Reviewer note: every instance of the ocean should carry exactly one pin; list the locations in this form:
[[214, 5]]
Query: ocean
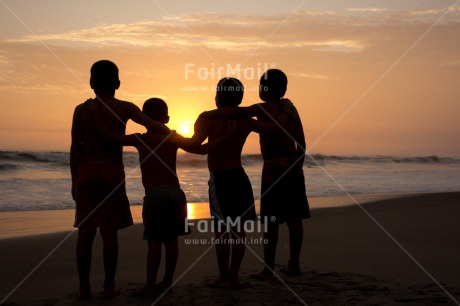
[[41, 180]]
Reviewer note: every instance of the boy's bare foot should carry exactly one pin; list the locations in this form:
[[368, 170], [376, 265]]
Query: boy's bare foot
[[263, 275], [164, 287], [220, 283], [293, 268], [146, 291], [291, 271], [235, 283], [84, 294], [110, 293]]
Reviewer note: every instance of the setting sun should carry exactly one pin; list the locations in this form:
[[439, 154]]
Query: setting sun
[[185, 128]]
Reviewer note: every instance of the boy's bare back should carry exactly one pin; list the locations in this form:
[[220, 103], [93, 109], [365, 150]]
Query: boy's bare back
[[94, 147], [228, 154], [158, 161]]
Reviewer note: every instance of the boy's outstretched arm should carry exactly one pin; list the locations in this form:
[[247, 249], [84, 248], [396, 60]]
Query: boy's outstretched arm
[[253, 111], [193, 146], [195, 143], [187, 144], [232, 112], [139, 117], [276, 124], [190, 145]]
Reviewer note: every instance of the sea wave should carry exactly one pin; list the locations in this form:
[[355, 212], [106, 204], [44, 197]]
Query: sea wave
[[39, 157], [10, 167], [432, 159], [14, 160]]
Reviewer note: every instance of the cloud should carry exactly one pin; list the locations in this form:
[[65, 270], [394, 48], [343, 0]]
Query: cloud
[[44, 88], [326, 38], [321, 31], [455, 62], [31, 68], [432, 12], [313, 76], [3, 59], [234, 33], [367, 9], [209, 32], [338, 46]]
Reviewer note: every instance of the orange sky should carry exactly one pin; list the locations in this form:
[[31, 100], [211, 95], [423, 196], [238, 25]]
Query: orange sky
[[366, 80]]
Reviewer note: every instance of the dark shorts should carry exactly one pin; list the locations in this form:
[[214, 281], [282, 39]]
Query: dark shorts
[[283, 192], [101, 199], [164, 213], [230, 195]]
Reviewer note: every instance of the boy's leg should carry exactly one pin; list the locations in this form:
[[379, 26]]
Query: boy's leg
[[238, 249], [223, 257], [153, 263], [110, 255], [270, 248], [84, 254], [171, 254], [271, 236], [295, 243]]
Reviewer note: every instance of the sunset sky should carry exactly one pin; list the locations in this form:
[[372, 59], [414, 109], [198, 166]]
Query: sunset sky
[[368, 77]]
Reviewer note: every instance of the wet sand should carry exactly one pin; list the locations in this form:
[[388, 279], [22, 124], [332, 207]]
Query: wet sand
[[398, 251]]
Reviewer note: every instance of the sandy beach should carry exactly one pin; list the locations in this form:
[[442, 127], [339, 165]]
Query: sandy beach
[[396, 251]]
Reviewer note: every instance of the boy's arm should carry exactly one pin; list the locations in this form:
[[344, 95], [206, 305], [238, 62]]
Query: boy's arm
[[192, 146], [276, 123], [75, 148], [104, 131], [188, 144], [300, 140], [255, 110], [232, 112], [139, 117]]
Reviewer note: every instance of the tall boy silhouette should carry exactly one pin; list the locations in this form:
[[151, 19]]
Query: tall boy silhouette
[[98, 177]]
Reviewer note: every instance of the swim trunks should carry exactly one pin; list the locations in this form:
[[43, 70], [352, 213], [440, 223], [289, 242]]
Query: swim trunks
[[230, 195], [101, 199], [164, 213], [283, 193]]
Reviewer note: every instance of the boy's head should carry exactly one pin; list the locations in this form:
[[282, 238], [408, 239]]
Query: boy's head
[[156, 109], [273, 85], [229, 92], [104, 78]]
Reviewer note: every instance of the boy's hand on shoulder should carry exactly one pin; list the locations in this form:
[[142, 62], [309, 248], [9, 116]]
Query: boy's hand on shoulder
[[204, 115], [92, 105], [288, 106]]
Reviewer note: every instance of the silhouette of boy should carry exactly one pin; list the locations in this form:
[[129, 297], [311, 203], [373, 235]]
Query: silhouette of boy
[[98, 178], [230, 191]]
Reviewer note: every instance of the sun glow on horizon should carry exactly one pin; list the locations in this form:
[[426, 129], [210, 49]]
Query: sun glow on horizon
[[183, 127]]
